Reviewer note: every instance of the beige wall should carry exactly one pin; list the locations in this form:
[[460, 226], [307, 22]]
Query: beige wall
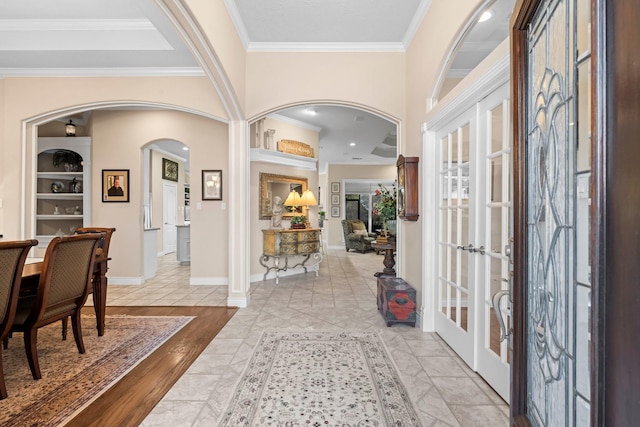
[[374, 80], [338, 173], [32, 99], [114, 149]]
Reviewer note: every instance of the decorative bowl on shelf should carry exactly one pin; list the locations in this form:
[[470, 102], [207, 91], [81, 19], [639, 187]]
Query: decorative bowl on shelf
[[57, 187], [70, 210]]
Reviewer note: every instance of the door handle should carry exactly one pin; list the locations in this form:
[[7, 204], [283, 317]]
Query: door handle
[[469, 247], [495, 299], [481, 249]]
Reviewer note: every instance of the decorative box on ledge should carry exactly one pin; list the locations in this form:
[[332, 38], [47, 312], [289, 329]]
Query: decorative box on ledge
[[396, 301]]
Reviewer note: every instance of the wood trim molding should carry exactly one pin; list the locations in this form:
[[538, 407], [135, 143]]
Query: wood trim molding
[[523, 13]]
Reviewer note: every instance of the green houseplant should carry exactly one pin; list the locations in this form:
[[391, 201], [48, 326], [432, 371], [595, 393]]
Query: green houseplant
[[385, 207], [298, 221]]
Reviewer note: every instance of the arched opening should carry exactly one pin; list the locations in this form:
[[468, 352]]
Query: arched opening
[[486, 29], [353, 142]]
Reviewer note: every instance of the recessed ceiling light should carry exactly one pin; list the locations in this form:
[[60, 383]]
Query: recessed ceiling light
[[486, 15], [311, 111], [352, 144], [185, 148]]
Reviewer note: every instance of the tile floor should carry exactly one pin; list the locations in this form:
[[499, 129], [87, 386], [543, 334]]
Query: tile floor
[[444, 390]]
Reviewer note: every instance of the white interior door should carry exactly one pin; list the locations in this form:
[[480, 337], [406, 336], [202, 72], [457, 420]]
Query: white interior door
[[454, 319], [495, 238], [169, 217], [474, 227]]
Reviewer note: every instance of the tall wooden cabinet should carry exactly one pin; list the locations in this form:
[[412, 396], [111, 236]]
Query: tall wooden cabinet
[[62, 192]]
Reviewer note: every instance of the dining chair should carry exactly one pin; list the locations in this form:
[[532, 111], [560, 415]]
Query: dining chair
[[12, 257], [99, 292], [62, 291], [103, 248]]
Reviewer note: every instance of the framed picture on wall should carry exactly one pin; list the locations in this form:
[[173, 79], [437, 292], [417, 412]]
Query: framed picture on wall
[[335, 211], [335, 187], [335, 199], [115, 185], [212, 185], [169, 170]]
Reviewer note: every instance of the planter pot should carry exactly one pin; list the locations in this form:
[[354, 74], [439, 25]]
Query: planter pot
[[392, 226]]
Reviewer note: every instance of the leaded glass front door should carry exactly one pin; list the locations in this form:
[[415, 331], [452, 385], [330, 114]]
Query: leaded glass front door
[[554, 172]]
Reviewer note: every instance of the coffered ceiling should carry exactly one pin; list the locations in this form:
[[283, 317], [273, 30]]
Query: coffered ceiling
[[124, 37]]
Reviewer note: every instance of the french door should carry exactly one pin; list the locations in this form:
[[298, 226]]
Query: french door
[[475, 213], [495, 215], [455, 311]]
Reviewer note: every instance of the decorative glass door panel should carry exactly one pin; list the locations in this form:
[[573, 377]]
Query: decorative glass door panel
[[557, 227]]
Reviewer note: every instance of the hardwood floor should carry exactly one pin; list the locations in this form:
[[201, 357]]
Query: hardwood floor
[[129, 401]]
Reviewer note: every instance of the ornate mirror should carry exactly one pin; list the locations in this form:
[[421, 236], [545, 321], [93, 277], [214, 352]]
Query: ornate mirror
[[278, 185]]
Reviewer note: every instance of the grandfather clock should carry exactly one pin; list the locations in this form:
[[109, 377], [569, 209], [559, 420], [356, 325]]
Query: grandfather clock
[[408, 187]]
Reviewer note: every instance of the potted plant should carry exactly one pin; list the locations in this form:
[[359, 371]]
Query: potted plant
[[69, 160], [298, 221]]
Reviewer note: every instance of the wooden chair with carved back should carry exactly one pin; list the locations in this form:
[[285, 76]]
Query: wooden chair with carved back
[[102, 255], [12, 258]]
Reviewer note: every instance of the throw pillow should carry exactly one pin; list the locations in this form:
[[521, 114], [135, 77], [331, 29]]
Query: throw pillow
[[358, 226], [361, 232]]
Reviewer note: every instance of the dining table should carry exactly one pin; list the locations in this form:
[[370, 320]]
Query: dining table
[[31, 277]]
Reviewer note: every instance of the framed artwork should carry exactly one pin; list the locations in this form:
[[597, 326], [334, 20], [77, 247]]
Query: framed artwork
[[212, 185], [335, 187], [335, 199], [115, 185], [169, 170], [335, 211]]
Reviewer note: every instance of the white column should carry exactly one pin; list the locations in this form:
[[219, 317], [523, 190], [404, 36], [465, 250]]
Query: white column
[[238, 205]]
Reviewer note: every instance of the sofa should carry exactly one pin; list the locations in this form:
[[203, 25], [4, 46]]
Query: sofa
[[356, 235]]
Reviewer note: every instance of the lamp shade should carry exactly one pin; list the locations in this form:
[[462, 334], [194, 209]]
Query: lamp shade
[[293, 199], [308, 198]]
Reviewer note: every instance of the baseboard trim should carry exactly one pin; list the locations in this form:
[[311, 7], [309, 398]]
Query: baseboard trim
[[209, 281], [238, 302]]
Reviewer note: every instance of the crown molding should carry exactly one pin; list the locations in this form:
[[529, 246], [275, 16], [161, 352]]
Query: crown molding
[[103, 72], [326, 47]]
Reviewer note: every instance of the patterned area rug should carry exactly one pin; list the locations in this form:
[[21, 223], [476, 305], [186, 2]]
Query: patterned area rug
[[70, 380], [320, 379]]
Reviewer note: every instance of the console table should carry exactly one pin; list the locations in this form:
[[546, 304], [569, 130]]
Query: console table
[[280, 243]]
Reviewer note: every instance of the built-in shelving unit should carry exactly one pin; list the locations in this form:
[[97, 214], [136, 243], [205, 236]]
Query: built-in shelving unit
[[62, 194]]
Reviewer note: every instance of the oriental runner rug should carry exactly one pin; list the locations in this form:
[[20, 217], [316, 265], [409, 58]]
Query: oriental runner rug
[[320, 378], [70, 381]]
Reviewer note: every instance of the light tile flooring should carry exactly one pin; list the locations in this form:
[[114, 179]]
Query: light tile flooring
[[444, 390]]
